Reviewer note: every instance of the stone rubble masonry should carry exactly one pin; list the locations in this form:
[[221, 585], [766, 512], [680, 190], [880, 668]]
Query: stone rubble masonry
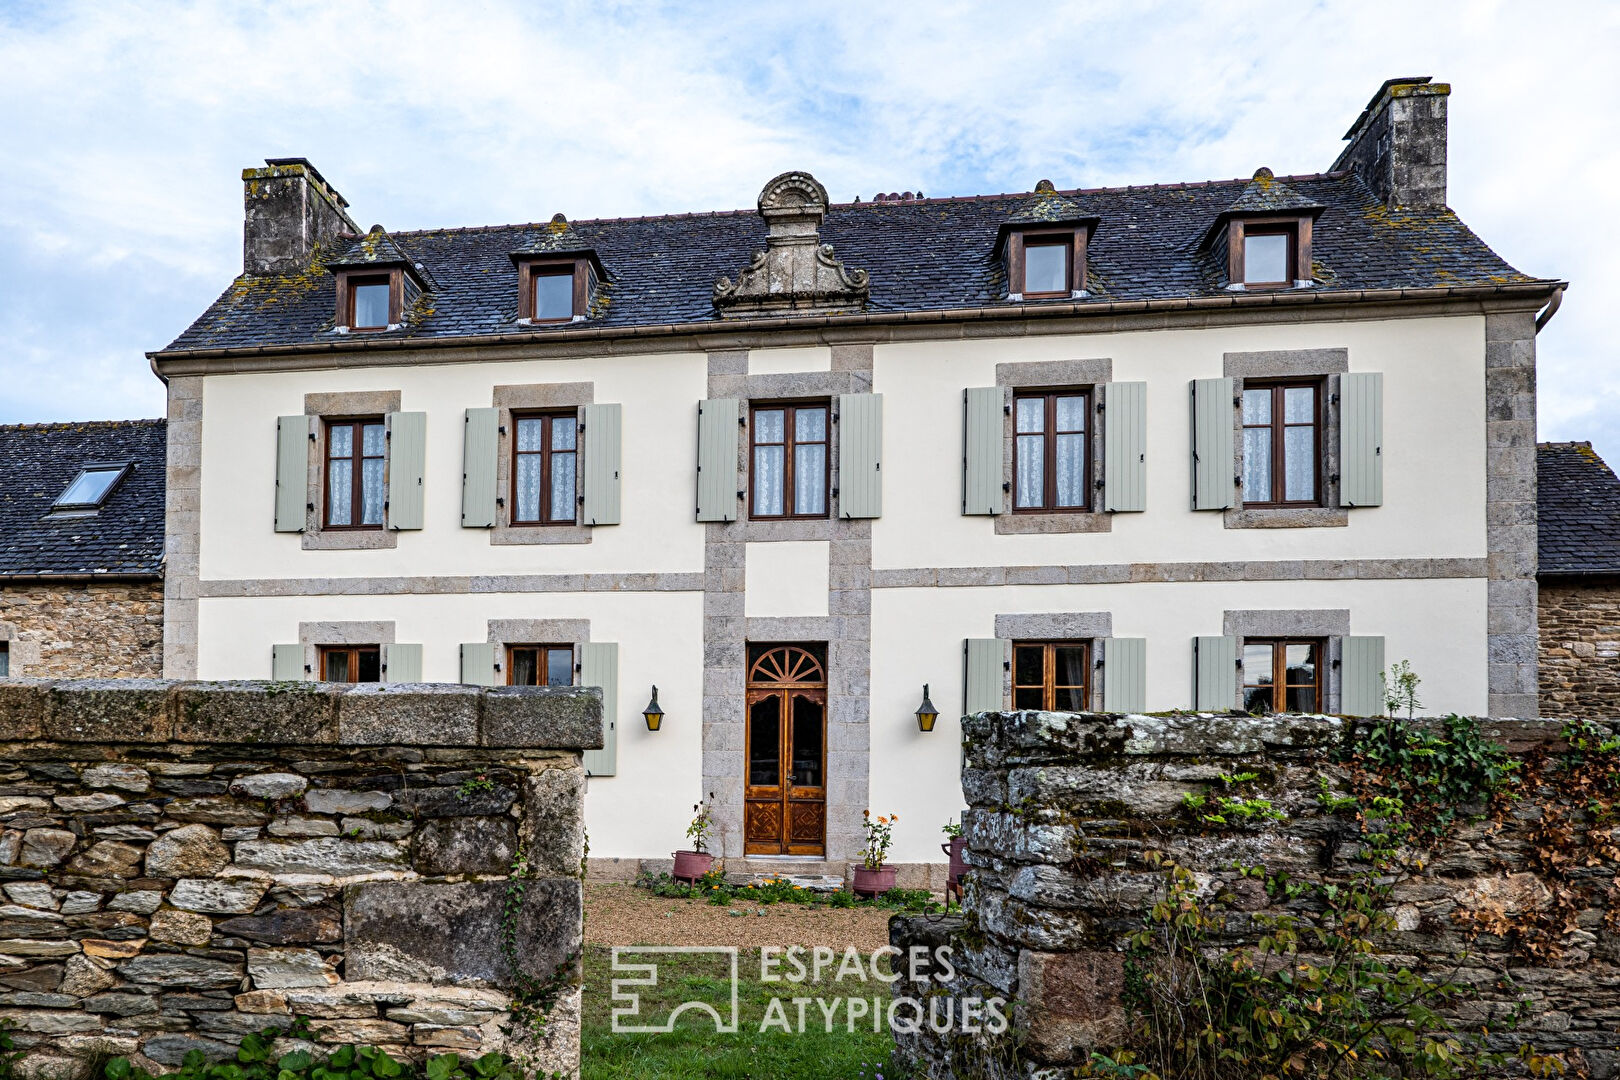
[[1580, 649], [185, 863], [1064, 810], [106, 630]]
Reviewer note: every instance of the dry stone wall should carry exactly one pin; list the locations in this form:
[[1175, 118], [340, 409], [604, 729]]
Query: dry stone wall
[[186, 863], [1067, 812], [103, 630], [1580, 649]]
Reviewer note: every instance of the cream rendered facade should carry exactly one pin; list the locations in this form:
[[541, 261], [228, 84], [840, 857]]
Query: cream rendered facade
[[1413, 570]]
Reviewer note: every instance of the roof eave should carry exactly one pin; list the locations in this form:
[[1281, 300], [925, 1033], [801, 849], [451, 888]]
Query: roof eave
[[1081, 309], [79, 578]]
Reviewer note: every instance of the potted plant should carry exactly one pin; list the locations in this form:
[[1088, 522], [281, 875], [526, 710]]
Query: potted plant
[[954, 847], [693, 864], [874, 877]]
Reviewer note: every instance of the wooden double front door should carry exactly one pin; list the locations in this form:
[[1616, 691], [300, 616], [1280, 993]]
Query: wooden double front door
[[785, 790]]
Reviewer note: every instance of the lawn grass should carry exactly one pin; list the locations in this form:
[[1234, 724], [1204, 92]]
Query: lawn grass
[[695, 1051]]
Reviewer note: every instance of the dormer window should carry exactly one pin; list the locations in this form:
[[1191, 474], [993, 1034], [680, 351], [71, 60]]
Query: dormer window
[[553, 295], [368, 301], [1046, 265], [1270, 255], [371, 304], [555, 290], [91, 487], [1266, 236]]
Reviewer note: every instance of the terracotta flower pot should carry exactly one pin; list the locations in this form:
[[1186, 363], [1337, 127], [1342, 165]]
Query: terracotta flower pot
[[691, 865], [873, 882]]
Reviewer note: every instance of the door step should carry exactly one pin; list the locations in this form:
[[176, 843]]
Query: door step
[[818, 883]]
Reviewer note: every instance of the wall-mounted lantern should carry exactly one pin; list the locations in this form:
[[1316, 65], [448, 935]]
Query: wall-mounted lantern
[[926, 712], [654, 714]]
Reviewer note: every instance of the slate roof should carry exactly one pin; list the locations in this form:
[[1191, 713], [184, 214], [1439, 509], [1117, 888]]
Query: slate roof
[[124, 537], [1578, 507], [923, 255]]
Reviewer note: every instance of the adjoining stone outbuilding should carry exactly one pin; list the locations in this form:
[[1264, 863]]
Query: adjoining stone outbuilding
[[81, 549], [1579, 538]]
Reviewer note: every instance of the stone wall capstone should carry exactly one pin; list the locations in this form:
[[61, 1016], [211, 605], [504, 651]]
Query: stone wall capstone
[[1069, 812], [187, 863]]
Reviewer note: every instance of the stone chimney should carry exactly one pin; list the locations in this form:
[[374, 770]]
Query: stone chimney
[[289, 208], [1398, 144]]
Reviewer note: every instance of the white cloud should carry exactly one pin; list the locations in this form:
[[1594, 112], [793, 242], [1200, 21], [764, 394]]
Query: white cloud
[[128, 124]]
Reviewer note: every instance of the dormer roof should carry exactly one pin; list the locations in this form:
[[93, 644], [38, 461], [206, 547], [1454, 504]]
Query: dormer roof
[[1265, 196], [555, 239], [380, 250]]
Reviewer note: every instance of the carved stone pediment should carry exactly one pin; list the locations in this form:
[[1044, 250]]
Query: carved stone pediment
[[796, 273]]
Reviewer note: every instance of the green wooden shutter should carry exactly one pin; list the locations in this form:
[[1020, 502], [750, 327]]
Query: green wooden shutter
[[402, 663], [1125, 446], [599, 666], [478, 663], [1361, 670], [982, 432], [985, 663], [407, 461], [717, 459], [600, 489], [1213, 460], [480, 447], [1361, 439], [292, 473], [287, 661], [860, 455], [1215, 662], [1124, 673]]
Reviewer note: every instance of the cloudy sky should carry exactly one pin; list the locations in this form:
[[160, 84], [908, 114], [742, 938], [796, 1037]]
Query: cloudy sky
[[126, 127]]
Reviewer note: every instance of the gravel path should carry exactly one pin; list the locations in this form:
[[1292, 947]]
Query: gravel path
[[618, 914]]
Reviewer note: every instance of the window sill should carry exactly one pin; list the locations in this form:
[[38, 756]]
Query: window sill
[[1036, 524], [1038, 298], [518, 535], [1281, 286], [1288, 517], [349, 539]]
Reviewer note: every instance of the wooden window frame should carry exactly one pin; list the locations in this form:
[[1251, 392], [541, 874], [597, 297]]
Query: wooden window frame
[[534, 268], [1049, 686], [1019, 240], [348, 281], [357, 478], [1298, 229], [1049, 451], [545, 520], [1279, 428], [789, 443], [1279, 670], [542, 652], [324, 652]]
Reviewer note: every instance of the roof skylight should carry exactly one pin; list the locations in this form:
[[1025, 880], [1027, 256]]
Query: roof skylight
[[91, 487]]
